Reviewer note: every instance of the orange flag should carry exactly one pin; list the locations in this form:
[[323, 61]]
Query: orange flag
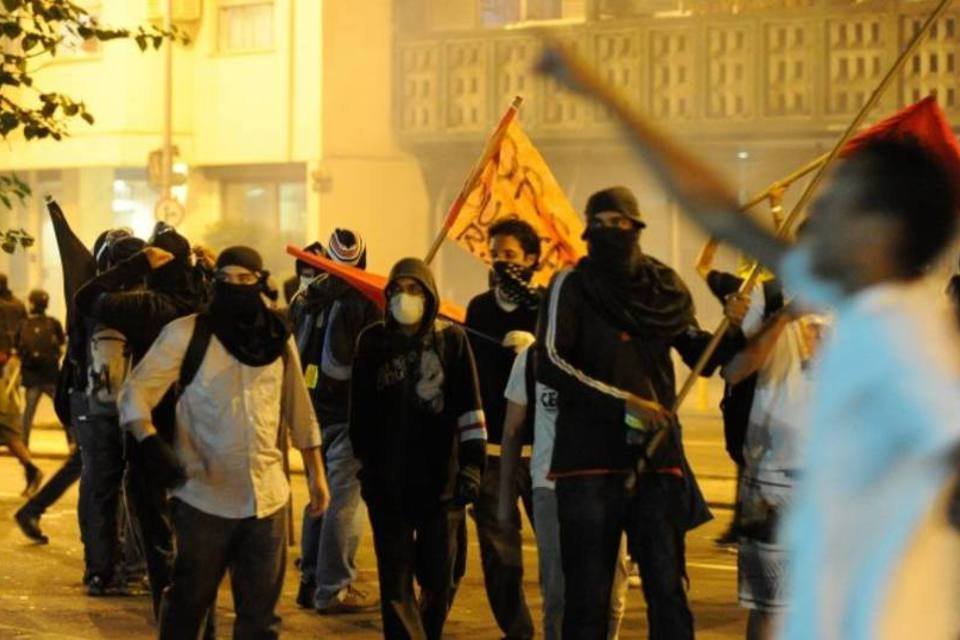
[[515, 182], [371, 285]]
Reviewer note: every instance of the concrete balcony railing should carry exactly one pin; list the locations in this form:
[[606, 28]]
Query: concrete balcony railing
[[784, 69]]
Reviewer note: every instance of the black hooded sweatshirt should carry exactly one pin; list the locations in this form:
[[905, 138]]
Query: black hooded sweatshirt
[[415, 411]]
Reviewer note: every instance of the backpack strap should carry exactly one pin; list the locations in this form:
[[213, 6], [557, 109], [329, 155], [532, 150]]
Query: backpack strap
[[195, 353]]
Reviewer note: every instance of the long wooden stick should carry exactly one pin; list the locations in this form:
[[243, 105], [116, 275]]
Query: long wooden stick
[[493, 143], [801, 204]]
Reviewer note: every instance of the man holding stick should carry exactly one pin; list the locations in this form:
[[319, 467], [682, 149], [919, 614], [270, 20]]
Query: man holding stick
[[604, 342]]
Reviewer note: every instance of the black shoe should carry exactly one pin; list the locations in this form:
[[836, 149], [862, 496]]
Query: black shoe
[[305, 594], [30, 525], [98, 587], [34, 479], [729, 538]]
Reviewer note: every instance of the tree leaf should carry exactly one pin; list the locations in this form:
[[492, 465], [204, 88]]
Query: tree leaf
[[6, 201], [87, 117], [141, 41], [12, 5], [27, 43]]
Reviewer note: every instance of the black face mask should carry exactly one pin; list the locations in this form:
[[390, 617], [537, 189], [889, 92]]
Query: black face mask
[[38, 309], [243, 301], [614, 249]]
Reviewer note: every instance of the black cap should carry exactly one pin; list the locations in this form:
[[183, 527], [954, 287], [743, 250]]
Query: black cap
[[617, 199], [240, 257], [166, 237]]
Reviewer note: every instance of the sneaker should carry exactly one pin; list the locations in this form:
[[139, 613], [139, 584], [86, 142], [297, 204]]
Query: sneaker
[[98, 587], [34, 480], [305, 594], [349, 600], [30, 526]]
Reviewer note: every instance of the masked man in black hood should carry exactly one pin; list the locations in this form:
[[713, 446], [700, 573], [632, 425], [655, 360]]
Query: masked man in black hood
[[507, 312], [128, 304], [418, 429], [328, 316], [604, 344], [239, 383]]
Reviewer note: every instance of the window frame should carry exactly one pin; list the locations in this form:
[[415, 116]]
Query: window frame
[[218, 7]]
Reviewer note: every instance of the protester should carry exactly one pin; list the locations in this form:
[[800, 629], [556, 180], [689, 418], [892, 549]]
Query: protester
[[737, 398], [124, 317], [99, 502], [12, 313], [328, 316], [604, 344], [779, 355], [238, 380], [39, 344], [521, 388], [418, 429], [882, 422], [507, 313]]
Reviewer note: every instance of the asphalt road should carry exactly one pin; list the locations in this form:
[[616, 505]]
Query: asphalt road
[[41, 594]]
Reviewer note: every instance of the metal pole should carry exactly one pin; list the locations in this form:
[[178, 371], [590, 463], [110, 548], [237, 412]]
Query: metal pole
[[167, 149]]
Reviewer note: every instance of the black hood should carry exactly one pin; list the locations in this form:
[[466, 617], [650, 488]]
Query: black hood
[[418, 270]]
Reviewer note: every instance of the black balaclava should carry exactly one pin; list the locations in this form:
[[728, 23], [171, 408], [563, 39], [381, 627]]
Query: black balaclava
[[613, 249], [174, 275], [252, 333], [39, 301]]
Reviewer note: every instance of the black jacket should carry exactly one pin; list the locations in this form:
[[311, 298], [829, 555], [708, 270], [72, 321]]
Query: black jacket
[[494, 361], [327, 321], [593, 365], [12, 313], [415, 412]]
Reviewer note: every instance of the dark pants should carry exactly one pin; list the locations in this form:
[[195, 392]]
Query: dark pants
[[501, 553], [419, 545], [101, 482], [32, 399], [254, 550], [594, 511], [152, 514], [56, 486]]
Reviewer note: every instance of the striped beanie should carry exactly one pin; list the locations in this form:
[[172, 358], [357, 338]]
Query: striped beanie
[[347, 247]]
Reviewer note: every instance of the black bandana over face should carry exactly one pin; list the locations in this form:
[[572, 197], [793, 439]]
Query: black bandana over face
[[613, 249], [513, 282], [252, 333]]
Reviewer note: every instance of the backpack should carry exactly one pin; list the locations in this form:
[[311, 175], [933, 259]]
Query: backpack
[[109, 360], [738, 398], [38, 345]]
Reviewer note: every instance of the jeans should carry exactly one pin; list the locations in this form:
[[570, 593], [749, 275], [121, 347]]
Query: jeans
[[328, 544], [417, 544], [501, 554], [101, 481], [551, 569], [594, 512], [33, 395], [254, 550]]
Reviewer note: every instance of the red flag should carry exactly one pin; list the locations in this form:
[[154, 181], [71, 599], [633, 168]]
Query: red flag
[[925, 122], [371, 285]]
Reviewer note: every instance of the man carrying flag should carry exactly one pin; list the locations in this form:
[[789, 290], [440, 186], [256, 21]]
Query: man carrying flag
[[507, 313]]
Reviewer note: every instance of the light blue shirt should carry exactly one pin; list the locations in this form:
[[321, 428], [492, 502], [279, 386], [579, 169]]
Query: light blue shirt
[[884, 419]]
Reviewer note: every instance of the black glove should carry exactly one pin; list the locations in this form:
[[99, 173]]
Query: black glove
[[468, 487], [161, 462]]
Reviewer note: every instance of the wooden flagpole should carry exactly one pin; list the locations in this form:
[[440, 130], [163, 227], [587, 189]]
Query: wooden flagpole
[[493, 143]]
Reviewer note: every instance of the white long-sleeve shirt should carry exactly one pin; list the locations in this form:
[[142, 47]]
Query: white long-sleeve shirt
[[227, 422]]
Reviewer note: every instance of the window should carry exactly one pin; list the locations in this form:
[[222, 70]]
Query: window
[[502, 13], [244, 26]]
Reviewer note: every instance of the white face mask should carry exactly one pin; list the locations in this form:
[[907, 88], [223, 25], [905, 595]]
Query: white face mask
[[407, 309]]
